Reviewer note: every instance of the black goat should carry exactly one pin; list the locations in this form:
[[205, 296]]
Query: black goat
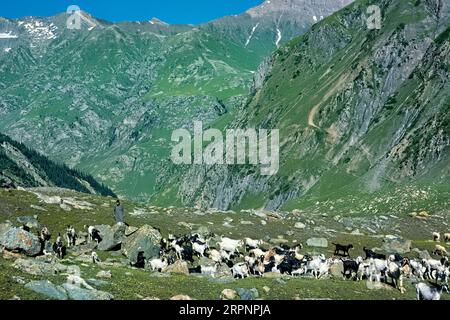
[[343, 248], [372, 254]]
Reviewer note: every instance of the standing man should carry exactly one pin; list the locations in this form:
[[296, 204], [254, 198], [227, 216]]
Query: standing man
[[119, 212]]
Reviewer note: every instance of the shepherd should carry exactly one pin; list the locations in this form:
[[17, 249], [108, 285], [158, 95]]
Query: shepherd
[[119, 212]]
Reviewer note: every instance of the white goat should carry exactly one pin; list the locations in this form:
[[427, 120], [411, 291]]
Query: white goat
[[240, 270], [425, 292], [230, 245], [252, 244], [158, 264]]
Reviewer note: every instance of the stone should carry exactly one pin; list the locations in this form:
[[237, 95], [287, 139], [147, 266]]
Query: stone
[[29, 222], [19, 239], [96, 282], [181, 297], [104, 274], [4, 228], [130, 230], [422, 254], [203, 230], [76, 293], [38, 267], [394, 244], [375, 285], [317, 242], [266, 289], [347, 222], [279, 281], [146, 239], [246, 294], [337, 269], [111, 236], [272, 275], [179, 267], [228, 294], [300, 225], [47, 289]]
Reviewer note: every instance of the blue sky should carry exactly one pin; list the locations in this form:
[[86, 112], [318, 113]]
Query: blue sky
[[171, 11]]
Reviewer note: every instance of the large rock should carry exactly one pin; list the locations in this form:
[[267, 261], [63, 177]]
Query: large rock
[[179, 267], [146, 239], [317, 242], [76, 293], [111, 236], [337, 269], [246, 294], [28, 221], [47, 289], [5, 227], [394, 244], [39, 267], [19, 239]]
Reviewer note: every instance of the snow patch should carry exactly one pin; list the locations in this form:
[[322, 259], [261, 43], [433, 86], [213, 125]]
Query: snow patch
[[8, 35], [251, 34], [277, 42], [8, 49]]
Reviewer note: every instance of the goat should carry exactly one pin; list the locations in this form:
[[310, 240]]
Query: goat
[[377, 269], [418, 268], [252, 244], [426, 292], [372, 254], [345, 249], [94, 234], [158, 264], [436, 236], [395, 273], [230, 245], [440, 250], [199, 248], [140, 260], [352, 266], [71, 236], [59, 248], [447, 237], [95, 258], [319, 266], [240, 270]]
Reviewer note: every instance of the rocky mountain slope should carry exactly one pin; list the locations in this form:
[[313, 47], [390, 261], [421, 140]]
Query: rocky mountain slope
[[358, 110], [23, 167], [106, 99]]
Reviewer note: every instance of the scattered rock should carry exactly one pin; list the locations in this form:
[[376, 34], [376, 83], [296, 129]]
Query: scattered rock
[[266, 289], [29, 222], [394, 244], [300, 225], [47, 289], [246, 294], [96, 282], [228, 294], [279, 281], [317, 242], [130, 230], [4, 228], [146, 239], [375, 285], [104, 274], [423, 214], [19, 239], [179, 267], [76, 293], [38, 267], [18, 279], [423, 254], [181, 297], [272, 275]]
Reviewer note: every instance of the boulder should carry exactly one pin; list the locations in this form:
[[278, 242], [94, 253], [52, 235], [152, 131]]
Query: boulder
[[246, 294], [104, 274], [76, 293], [19, 239], [47, 289], [300, 225], [39, 267], [29, 222], [317, 242], [228, 294], [337, 269], [146, 239], [179, 267], [111, 236], [130, 230], [394, 244], [5, 227]]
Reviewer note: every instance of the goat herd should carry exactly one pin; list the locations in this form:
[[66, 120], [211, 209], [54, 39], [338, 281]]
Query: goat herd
[[249, 257]]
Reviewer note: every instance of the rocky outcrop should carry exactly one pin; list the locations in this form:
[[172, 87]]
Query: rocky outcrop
[[146, 239], [19, 239]]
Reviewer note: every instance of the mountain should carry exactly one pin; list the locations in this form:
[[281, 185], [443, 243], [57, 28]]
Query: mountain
[[105, 99], [359, 111], [21, 166]]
